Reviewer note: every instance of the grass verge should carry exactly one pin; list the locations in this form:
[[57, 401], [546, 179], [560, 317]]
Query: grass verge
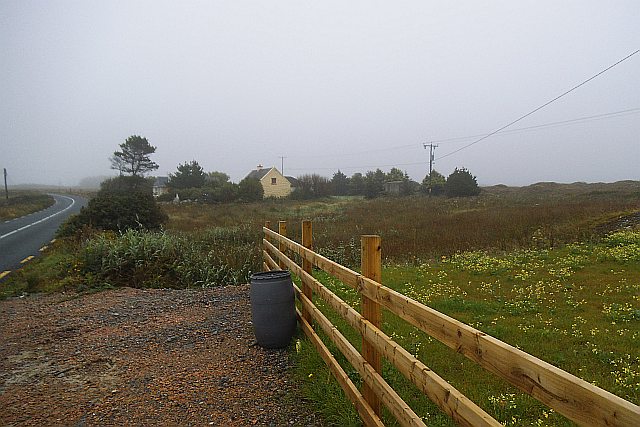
[[23, 203], [143, 259]]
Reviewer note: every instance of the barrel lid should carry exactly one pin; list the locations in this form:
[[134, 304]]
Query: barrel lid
[[271, 275]]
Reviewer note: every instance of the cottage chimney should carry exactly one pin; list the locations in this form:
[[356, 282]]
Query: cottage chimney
[[259, 167]]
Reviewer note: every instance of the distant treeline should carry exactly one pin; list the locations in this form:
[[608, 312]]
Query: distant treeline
[[192, 183]]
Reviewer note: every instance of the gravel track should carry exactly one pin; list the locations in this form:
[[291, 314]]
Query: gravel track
[[142, 357]]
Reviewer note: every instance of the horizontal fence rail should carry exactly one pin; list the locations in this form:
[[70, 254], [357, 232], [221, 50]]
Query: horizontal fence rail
[[567, 394]]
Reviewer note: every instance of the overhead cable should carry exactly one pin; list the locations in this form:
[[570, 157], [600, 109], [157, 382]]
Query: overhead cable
[[540, 107]]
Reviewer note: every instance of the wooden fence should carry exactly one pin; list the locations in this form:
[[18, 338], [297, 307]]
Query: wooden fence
[[571, 396]]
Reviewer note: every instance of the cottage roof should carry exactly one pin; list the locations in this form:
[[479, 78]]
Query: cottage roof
[[258, 173], [293, 181], [161, 181]]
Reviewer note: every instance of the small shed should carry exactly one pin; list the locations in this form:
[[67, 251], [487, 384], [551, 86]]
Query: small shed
[[393, 187]]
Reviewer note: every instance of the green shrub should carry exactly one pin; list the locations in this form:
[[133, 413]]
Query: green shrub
[[192, 193], [227, 192], [461, 184], [250, 190], [122, 203], [124, 211], [166, 197]]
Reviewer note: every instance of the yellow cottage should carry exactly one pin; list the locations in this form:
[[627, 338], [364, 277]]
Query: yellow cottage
[[273, 182]]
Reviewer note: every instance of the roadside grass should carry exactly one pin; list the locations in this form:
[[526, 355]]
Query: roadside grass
[[576, 307], [45, 274], [23, 203], [142, 259]]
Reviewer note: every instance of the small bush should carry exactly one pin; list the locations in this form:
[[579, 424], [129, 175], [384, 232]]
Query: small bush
[[250, 190], [192, 193], [461, 184], [122, 203], [156, 259], [166, 197]]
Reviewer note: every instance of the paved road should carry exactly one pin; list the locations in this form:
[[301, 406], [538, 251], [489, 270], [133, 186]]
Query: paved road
[[23, 237]]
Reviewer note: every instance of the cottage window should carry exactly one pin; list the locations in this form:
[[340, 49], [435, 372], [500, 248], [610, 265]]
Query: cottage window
[[273, 181]]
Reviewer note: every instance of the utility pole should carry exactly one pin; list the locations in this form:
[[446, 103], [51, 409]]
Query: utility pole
[[6, 190], [282, 164], [432, 149]]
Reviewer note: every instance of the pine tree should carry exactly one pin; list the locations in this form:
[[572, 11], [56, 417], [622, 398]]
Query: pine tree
[[134, 157]]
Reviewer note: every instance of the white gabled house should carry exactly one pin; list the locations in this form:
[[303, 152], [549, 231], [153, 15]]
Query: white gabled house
[[273, 182], [160, 186]]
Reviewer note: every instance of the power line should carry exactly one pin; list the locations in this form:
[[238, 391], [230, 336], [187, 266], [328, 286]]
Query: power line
[[507, 125], [540, 107], [550, 124], [391, 165], [578, 120]]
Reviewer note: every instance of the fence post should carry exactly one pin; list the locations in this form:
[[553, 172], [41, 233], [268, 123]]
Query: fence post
[[282, 230], [267, 224], [307, 242], [371, 264]]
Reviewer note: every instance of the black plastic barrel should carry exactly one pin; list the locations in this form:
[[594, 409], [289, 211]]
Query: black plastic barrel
[[273, 308]]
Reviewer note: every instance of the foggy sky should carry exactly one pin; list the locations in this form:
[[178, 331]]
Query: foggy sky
[[329, 85]]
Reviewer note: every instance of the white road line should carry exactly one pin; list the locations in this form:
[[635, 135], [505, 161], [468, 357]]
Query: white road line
[[73, 202]]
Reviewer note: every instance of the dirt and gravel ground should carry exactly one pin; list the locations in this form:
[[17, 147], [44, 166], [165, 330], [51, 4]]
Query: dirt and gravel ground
[[142, 357]]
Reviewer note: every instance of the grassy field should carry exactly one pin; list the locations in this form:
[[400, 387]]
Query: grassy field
[[501, 219], [537, 267], [577, 307], [23, 203]]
